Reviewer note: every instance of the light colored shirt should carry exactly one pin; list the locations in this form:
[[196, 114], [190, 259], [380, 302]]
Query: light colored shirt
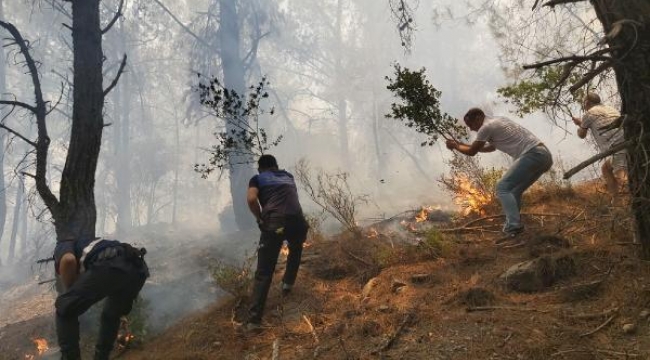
[[507, 136], [597, 117]]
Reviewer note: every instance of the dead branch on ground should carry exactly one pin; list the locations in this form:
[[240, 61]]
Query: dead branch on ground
[[601, 326], [391, 339]]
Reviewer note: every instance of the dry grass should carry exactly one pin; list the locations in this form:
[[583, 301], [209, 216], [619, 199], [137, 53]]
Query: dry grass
[[427, 316]]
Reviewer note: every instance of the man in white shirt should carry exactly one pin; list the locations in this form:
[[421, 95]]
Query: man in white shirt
[[531, 159], [595, 118]]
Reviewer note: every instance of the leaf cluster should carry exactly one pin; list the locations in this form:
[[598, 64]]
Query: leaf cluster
[[541, 91], [420, 106], [242, 139]]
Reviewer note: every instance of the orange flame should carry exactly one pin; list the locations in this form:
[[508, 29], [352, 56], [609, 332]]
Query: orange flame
[[285, 250], [471, 198], [41, 345]]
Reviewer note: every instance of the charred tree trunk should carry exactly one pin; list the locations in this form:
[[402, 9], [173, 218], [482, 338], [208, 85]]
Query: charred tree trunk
[[240, 170], [77, 214], [632, 68]]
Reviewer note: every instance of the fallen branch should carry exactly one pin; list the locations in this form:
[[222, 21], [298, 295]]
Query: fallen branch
[[358, 258], [510, 308], [601, 351], [311, 328], [590, 316], [391, 339], [46, 281], [466, 225], [276, 349], [601, 326]]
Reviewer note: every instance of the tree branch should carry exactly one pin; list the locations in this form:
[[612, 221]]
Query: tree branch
[[22, 137], [575, 58], [553, 3], [43, 143], [118, 14], [19, 104], [199, 39], [590, 75], [117, 77], [614, 149]]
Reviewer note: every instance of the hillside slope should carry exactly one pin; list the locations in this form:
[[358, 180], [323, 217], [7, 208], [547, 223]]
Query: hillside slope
[[423, 295]]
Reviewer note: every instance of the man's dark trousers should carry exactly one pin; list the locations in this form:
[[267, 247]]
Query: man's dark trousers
[[294, 230], [119, 280]]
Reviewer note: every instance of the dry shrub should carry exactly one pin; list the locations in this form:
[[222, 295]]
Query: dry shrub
[[331, 192], [236, 280]]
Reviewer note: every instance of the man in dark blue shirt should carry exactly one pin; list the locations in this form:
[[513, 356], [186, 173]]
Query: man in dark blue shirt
[[91, 270], [273, 200]]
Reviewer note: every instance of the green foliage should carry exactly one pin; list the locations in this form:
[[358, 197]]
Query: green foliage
[[543, 90], [236, 280], [243, 138], [433, 242], [420, 106]]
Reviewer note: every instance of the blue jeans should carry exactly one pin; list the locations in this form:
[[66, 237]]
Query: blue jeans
[[521, 175]]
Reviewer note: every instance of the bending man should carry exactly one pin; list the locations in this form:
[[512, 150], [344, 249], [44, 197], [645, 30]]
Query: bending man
[[273, 200], [91, 270], [531, 159]]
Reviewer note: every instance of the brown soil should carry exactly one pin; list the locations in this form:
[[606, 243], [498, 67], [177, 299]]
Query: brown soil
[[446, 304], [444, 299]]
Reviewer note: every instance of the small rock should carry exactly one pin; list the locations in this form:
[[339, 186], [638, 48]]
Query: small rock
[[368, 287], [629, 328], [421, 278], [383, 308], [397, 284], [644, 314]]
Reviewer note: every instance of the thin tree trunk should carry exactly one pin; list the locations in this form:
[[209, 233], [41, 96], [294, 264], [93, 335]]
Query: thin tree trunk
[[240, 169], [11, 255], [3, 86], [341, 103]]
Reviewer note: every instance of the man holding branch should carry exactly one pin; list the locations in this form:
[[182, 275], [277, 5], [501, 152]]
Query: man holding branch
[[531, 160]]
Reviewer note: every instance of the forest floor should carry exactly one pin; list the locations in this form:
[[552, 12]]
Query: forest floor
[[405, 291]]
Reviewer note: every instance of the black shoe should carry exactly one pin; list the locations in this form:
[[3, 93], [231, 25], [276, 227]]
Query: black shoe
[[514, 232]]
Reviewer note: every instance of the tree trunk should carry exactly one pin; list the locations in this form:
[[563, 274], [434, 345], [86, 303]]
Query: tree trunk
[[123, 156], [632, 69], [76, 215], [341, 103], [11, 255], [240, 169], [3, 133]]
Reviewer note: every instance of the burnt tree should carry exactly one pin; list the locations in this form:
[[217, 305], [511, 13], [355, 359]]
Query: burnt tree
[[74, 211]]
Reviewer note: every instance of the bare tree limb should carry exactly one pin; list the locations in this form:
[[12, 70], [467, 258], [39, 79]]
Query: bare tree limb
[[180, 23], [574, 58], [18, 104], [553, 3], [590, 75], [614, 149], [43, 143], [17, 134], [118, 14], [117, 77]]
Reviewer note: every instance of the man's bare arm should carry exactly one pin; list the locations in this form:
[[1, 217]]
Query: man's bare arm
[[253, 203], [470, 150]]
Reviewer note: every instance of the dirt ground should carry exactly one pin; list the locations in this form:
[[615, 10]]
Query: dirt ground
[[385, 296], [400, 293]]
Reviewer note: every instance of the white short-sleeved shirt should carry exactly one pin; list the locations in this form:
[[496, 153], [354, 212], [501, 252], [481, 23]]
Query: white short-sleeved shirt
[[597, 117], [507, 136]]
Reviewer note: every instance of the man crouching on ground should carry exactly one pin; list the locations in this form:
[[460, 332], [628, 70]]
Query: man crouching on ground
[[91, 270], [273, 199], [531, 160]]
